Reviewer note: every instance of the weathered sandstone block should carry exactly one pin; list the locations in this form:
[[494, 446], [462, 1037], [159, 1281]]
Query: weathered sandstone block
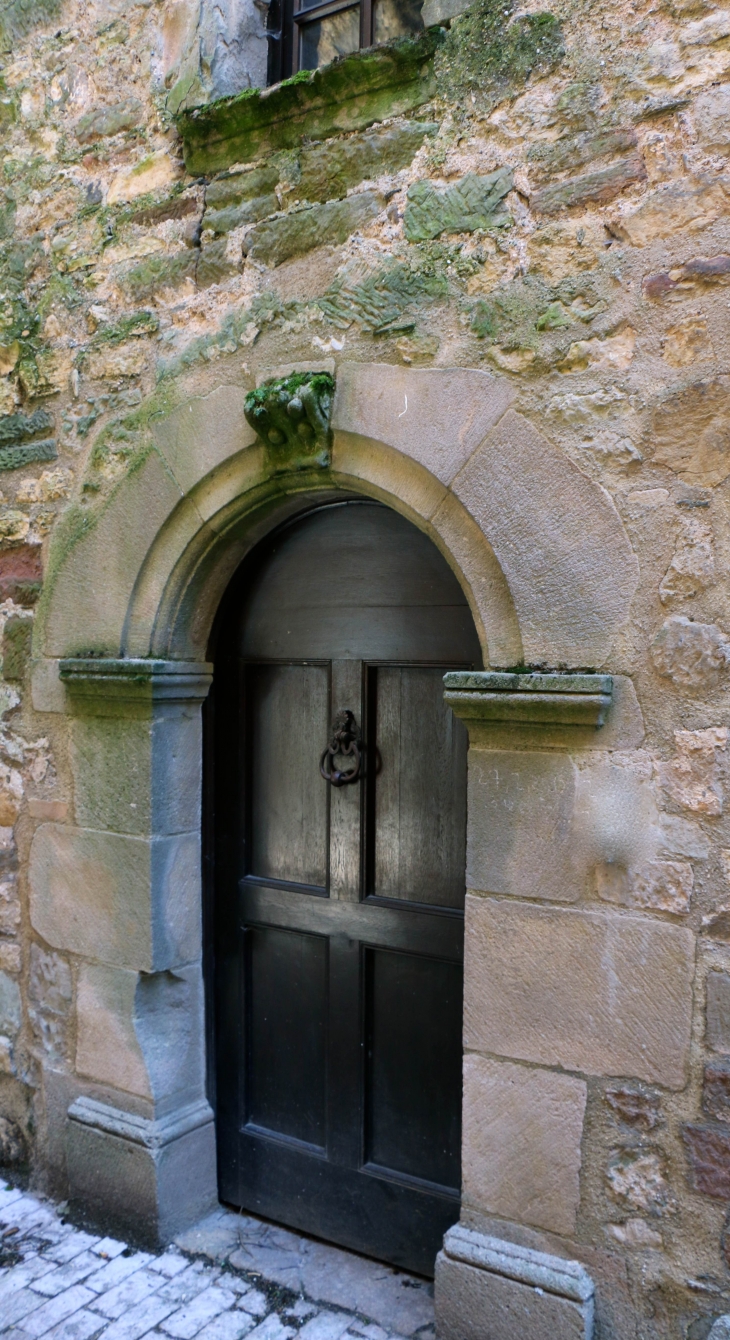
[[605, 993], [718, 1011], [126, 901], [521, 1142]]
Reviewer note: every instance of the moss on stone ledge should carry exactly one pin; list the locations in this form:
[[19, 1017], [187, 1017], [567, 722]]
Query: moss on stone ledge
[[351, 93]]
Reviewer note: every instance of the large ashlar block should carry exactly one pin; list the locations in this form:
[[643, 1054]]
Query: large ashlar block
[[127, 901], [604, 993], [87, 602], [138, 776], [489, 1289], [521, 1142], [523, 803], [438, 416], [142, 1033], [107, 1049], [201, 434], [520, 806]]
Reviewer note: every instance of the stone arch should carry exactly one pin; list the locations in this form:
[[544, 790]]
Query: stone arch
[[539, 548]]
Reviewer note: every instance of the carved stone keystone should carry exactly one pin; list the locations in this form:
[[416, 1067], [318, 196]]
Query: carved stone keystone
[[292, 417]]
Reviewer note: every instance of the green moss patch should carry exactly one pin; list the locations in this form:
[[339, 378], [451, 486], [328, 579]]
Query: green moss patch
[[473, 203], [488, 54], [20, 17]]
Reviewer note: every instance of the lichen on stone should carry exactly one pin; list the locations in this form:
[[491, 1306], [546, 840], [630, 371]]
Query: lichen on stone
[[475, 202], [489, 53], [292, 417]]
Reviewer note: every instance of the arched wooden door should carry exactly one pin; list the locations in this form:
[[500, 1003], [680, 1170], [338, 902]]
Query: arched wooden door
[[338, 944]]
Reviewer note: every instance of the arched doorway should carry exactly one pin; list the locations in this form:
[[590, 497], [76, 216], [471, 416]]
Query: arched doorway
[[337, 905]]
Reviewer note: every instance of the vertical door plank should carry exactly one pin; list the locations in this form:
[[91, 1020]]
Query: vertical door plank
[[346, 1054], [288, 724], [420, 791]]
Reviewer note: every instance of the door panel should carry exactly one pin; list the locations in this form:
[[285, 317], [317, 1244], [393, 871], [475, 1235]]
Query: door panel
[[286, 1020], [289, 719], [418, 791], [413, 1030], [339, 909]]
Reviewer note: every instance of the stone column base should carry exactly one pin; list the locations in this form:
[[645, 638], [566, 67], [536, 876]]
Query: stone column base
[[142, 1178], [488, 1289]]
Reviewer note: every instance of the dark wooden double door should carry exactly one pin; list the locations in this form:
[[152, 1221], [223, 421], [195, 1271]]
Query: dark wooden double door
[[339, 908]]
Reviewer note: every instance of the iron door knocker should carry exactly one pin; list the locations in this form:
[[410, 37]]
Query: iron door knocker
[[345, 741]]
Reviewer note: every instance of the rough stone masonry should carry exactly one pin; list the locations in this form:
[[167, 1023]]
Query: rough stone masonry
[[540, 193]]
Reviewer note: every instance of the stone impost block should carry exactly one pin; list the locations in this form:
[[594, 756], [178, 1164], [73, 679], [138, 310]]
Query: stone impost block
[[152, 1179], [102, 686], [127, 901], [535, 699], [603, 993], [489, 1289], [521, 1144]]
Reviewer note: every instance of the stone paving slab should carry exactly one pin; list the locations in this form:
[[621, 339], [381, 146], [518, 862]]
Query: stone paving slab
[[232, 1276]]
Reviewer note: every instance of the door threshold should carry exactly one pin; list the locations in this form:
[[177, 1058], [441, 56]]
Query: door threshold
[[277, 1258]]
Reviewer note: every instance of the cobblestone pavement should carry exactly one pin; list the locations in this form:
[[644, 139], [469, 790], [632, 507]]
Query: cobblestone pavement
[[231, 1276]]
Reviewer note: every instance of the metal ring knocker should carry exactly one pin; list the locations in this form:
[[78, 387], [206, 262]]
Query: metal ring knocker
[[345, 742]]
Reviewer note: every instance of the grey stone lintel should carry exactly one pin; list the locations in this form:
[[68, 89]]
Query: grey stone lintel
[[488, 1287], [539, 698]]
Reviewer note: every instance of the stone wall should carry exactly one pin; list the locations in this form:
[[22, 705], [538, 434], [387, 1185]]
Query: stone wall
[[547, 202]]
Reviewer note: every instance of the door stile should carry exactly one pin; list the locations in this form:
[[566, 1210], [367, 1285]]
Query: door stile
[[345, 1061], [345, 1058], [345, 865]]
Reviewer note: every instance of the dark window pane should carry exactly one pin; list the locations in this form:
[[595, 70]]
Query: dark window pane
[[323, 40], [396, 18]]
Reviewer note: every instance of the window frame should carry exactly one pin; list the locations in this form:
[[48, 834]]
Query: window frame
[[286, 20]]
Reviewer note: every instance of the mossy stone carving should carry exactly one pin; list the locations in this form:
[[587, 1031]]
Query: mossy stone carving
[[292, 417], [474, 202]]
